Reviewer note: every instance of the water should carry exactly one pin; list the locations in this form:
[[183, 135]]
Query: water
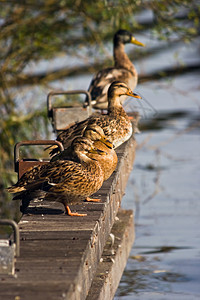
[[163, 190]]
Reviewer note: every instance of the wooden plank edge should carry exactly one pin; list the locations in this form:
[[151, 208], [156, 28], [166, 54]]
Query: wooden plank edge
[[114, 258], [81, 286]]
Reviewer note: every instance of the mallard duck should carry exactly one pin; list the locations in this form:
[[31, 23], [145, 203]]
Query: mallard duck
[[109, 161], [95, 133], [123, 70], [116, 124], [66, 181]]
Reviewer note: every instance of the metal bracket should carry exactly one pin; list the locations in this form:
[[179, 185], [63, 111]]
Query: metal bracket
[[8, 249], [63, 116], [22, 165], [15, 228]]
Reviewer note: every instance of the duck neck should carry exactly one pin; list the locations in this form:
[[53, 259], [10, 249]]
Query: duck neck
[[121, 58], [92, 168], [87, 162], [115, 110]]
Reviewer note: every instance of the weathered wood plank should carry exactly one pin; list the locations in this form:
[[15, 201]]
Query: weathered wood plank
[[114, 258], [54, 264]]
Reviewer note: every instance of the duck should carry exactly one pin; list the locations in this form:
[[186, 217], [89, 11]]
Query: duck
[[65, 181], [116, 124], [96, 134], [123, 70]]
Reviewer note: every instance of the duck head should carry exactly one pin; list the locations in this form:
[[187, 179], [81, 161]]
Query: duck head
[[118, 89], [96, 133], [82, 146], [125, 37]]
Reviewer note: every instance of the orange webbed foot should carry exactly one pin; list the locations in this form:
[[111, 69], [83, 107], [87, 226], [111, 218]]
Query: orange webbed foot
[[69, 213], [88, 199]]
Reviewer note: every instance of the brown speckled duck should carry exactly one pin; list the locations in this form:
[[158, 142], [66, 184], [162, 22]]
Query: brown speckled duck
[[66, 181], [95, 133], [123, 70], [116, 124]]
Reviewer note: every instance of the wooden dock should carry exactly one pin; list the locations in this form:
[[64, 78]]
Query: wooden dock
[[63, 257]]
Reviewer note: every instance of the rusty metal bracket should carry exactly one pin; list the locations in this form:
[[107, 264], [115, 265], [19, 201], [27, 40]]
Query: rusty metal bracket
[[22, 165]]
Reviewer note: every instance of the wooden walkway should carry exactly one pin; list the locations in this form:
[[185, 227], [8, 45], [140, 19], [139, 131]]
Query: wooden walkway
[[63, 257]]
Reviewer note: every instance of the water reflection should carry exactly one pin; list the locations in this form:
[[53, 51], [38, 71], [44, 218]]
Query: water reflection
[[163, 249], [163, 190], [168, 119], [144, 274]]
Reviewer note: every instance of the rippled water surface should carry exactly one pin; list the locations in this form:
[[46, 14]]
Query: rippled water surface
[[164, 192]]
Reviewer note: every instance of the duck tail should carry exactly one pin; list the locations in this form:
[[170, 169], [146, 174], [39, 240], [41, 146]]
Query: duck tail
[[15, 189]]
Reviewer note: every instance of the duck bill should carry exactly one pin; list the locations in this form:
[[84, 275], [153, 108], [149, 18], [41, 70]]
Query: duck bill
[[106, 142], [136, 42], [130, 93], [97, 151]]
